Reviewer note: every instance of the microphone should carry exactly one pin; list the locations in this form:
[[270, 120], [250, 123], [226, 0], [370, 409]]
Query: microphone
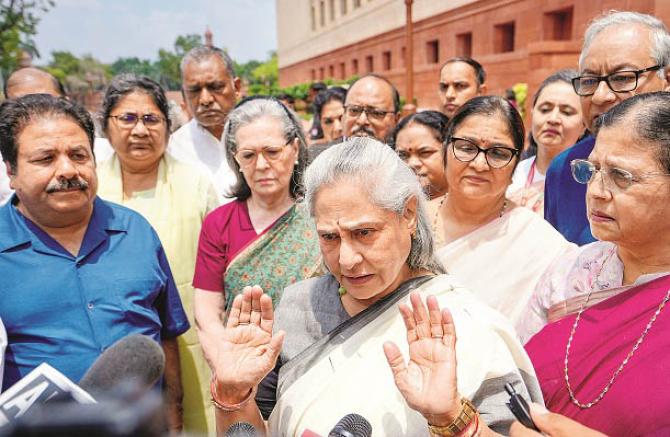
[[241, 429], [136, 358], [352, 425]]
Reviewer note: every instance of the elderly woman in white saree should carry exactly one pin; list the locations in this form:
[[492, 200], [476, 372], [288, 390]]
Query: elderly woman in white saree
[[497, 249], [334, 345]]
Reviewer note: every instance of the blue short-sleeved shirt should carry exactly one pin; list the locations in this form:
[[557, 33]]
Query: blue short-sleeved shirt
[[64, 309], [565, 199]]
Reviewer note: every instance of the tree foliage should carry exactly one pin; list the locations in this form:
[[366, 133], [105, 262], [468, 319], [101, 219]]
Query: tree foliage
[[18, 24]]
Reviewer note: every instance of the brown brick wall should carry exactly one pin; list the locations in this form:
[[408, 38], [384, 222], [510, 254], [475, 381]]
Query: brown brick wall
[[535, 55]]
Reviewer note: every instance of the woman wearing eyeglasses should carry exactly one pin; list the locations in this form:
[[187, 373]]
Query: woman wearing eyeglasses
[[263, 237], [497, 250], [602, 358], [173, 197]]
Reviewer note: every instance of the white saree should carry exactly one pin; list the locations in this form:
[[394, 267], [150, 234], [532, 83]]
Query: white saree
[[502, 262], [346, 371]]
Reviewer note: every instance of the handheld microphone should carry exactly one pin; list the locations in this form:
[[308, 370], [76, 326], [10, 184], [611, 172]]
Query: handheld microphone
[[135, 358], [352, 425], [241, 429]]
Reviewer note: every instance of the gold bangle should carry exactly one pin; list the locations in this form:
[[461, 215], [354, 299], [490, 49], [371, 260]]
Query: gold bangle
[[227, 408], [462, 422]]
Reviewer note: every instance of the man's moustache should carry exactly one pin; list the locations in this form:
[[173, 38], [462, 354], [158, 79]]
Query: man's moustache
[[67, 184], [364, 129]]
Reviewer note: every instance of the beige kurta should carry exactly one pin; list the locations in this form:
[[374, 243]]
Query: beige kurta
[[176, 209]]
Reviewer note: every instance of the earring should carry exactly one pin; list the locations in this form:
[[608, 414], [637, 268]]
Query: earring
[[296, 162], [240, 169]]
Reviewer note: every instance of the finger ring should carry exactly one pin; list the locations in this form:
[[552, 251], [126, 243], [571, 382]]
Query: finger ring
[[243, 323], [438, 335]]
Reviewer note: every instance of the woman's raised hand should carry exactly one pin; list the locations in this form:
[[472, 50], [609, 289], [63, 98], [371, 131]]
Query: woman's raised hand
[[428, 381], [248, 350]]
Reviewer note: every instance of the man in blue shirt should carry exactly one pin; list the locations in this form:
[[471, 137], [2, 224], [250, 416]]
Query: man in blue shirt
[[624, 54], [78, 273]]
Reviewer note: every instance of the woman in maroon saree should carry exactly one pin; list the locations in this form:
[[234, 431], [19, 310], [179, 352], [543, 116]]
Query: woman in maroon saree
[[603, 359]]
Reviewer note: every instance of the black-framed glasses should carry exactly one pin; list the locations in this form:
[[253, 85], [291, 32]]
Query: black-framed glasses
[[128, 120], [584, 171], [247, 157], [619, 81], [373, 114], [496, 156]]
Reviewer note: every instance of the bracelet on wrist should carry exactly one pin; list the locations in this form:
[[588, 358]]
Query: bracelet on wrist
[[466, 424], [228, 408]]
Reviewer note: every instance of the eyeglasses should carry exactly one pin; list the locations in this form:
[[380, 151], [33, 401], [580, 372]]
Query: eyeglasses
[[248, 157], [584, 171], [619, 82], [373, 114], [497, 156], [129, 120]]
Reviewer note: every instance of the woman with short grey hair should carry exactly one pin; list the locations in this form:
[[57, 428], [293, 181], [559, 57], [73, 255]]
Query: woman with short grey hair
[[326, 351], [263, 237]]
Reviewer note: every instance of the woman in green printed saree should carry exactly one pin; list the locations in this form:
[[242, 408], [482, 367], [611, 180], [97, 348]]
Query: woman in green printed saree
[[335, 344], [263, 237]]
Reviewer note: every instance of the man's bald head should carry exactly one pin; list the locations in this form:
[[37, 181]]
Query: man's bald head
[[32, 81], [371, 108]]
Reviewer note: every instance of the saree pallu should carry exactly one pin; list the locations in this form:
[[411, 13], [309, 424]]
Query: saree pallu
[[283, 254], [502, 261], [347, 372], [638, 403]]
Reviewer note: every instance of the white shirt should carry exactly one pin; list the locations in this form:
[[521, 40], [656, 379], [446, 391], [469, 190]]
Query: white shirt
[[103, 149], [5, 191], [521, 175], [3, 346], [195, 145]]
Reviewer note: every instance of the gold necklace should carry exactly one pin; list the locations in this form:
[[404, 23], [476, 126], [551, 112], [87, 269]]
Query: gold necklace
[[437, 214], [637, 344]]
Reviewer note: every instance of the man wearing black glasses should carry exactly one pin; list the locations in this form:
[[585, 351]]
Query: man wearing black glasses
[[371, 108], [624, 54]]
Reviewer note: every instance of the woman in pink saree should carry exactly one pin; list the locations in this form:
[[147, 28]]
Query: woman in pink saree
[[603, 358]]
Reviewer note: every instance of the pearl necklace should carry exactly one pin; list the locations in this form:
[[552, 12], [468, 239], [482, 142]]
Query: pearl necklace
[[639, 341]]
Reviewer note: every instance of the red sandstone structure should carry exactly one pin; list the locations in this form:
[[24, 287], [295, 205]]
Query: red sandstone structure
[[516, 40]]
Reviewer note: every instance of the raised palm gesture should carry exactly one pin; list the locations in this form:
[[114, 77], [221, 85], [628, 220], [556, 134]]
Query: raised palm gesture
[[428, 381], [248, 350]]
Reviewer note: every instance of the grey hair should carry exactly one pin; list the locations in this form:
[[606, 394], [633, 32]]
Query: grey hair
[[660, 39], [390, 184], [250, 110], [201, 53]]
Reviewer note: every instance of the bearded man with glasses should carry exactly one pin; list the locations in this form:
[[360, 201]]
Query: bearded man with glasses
[[624, 54], [371, 109]]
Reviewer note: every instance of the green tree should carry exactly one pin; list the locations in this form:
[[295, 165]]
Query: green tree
[[265, 77], [168, 62], [140, 67], [18, 24]]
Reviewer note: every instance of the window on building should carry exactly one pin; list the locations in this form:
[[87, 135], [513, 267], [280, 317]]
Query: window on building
[[313, 18], [557, 25], [331, 71], [354, 66], [357, 4], [369, 64], [321, 73], [343, 71], [433, 51], [464, 44], [313, 75], [322, 13], [343, 7], [331, 6], [386, 60], [504, 38], [403, 56]]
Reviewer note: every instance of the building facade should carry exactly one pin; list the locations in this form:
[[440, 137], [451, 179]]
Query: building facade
[[517, 41]]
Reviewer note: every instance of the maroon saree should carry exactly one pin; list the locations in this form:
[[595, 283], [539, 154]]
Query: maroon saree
[[638, 403]]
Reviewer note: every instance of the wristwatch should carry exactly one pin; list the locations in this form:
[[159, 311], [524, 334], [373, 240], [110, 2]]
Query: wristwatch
[[468, 418]]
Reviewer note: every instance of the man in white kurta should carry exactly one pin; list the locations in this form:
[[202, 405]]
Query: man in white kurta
[[210, 90]]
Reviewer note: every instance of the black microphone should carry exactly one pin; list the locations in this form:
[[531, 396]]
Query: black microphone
[[136, 358], [352, 425], [241, 429]]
